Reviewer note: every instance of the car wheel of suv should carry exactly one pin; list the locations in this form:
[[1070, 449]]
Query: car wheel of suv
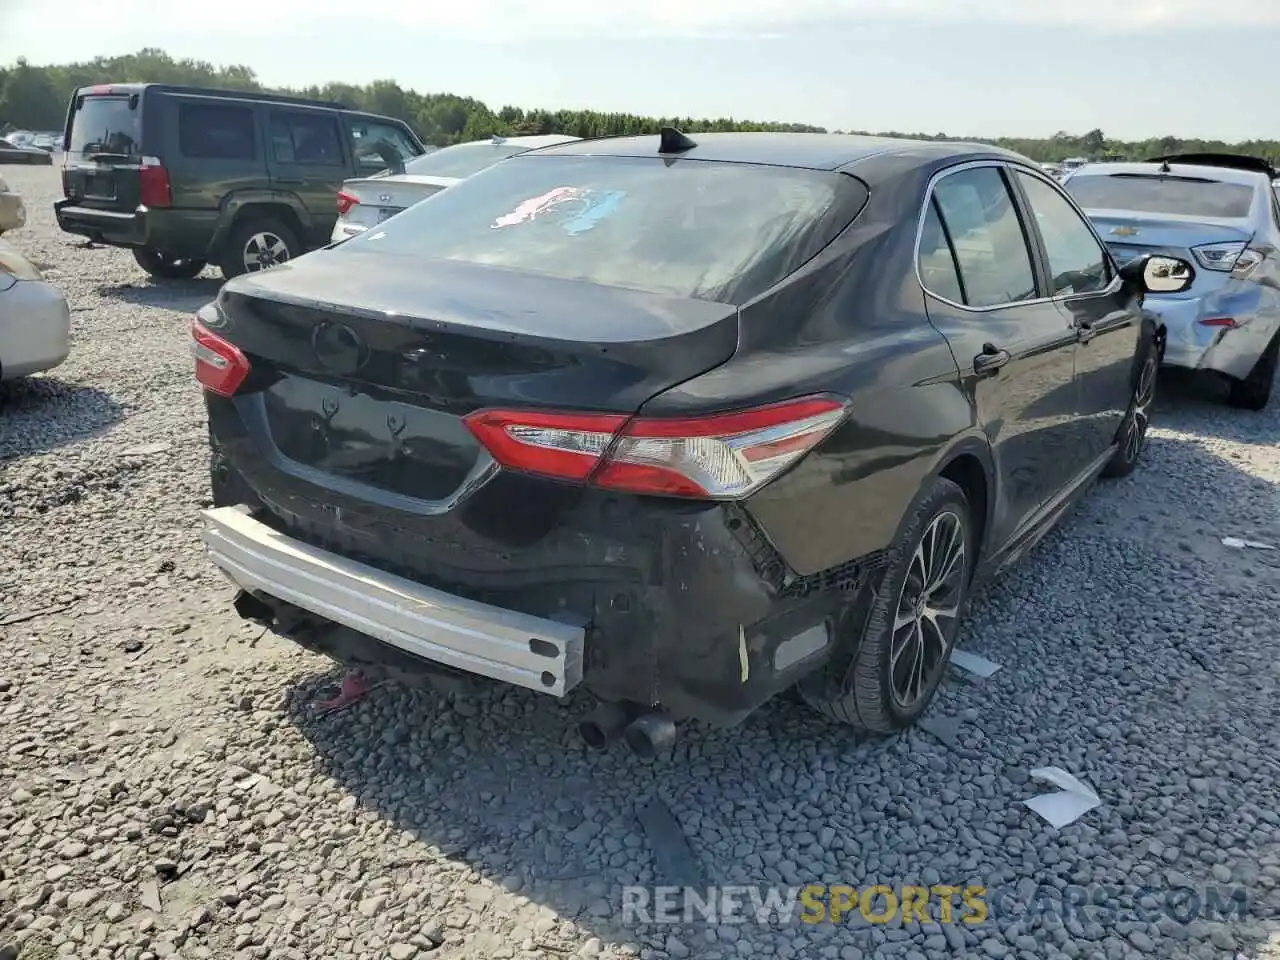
[[1132, 438], [909, 625], [257, 245], [1254, 391], [165, 267]]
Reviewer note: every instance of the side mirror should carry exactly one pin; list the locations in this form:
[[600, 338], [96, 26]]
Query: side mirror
[[1159, 274]]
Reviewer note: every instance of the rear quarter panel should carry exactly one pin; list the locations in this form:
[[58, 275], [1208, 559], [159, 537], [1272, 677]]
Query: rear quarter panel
[[852, 322]]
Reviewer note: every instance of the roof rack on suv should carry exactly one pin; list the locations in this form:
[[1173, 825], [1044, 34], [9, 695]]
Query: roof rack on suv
[[222, 92], [1234, 161]]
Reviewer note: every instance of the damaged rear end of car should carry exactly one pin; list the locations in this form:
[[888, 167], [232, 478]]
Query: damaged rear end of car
[[435, 435]]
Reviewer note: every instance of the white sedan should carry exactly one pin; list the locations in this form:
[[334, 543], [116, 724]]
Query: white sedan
[[35, 323], [367, 201]]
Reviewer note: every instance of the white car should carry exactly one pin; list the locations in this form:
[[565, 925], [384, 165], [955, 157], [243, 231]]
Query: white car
[[35, 322], [367, 201]]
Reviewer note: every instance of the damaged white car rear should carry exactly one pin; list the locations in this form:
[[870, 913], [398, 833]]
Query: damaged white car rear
[[1222, 213]]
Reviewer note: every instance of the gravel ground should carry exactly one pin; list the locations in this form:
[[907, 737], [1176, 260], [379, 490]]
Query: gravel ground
[[166, 789]]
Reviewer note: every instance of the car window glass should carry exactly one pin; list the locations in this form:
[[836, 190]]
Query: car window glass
[[937, 263], [104, 124], [706, 230], [1176, 196], [215, 132], [367, 135], [990, 247], [305, 139], [462, 160], [1077, 263]]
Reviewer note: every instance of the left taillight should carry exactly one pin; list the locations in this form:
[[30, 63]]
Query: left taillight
[[725, 456], [346, 201], [153, 184], [1237, 258], [220, 366]]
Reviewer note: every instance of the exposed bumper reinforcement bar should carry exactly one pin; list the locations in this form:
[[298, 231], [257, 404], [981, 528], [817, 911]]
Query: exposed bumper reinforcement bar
[[489, 641]]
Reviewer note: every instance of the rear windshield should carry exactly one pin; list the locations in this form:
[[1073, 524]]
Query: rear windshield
[[462, 160], [712, 231], [104, 125], [1174, 196]]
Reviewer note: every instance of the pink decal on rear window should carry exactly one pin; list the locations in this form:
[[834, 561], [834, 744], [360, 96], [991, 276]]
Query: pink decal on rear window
[[531, 208]]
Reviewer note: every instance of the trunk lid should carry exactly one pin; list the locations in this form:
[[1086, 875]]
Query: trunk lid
[[378, 198], [102, 161], [363, 370], [1129, 235]]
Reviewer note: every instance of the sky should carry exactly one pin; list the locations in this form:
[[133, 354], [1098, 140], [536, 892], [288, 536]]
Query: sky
[[1133, 68]]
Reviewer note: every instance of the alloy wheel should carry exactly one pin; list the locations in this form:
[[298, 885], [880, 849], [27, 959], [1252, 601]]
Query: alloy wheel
[[928, 608], [1145, 393], [264, 250]]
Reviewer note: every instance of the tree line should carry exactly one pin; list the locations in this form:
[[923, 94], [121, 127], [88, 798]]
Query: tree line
[[35, 98]]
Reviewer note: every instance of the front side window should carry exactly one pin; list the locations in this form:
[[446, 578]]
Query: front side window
[[365, 134], [215, 132], [305, 139], [692, 228], [1077, 262], [982, 222]]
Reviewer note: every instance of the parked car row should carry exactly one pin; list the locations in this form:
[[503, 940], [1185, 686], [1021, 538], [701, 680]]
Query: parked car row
[[35, 321]]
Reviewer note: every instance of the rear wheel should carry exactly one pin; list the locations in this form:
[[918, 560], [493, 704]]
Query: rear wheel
[[1254, 391], [256, 245], [161, 265], [902, 642], [1132, 439]]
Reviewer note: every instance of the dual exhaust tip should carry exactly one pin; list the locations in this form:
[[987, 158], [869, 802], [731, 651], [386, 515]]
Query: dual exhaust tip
[[646, 733]]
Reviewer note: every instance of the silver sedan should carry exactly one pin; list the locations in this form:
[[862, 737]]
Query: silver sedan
[[35, 322]]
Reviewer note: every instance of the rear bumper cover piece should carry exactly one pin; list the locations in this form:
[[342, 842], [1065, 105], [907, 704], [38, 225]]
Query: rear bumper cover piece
[[479, 638]]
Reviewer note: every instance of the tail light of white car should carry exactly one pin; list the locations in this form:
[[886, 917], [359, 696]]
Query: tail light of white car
[[345, 202], [721, 457], [1237, 258]]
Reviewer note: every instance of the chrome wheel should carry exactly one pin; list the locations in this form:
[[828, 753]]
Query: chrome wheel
[[927, 610], [264, 250], [1136, 435]]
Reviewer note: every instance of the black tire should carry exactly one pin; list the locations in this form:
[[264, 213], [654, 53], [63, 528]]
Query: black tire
[[1254, 391], [858, 687], [238, 256], [1131, 439], [164, 267]]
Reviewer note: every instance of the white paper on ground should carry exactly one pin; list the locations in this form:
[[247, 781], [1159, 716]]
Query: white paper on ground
[[972, 663], [1074, 799], [1237, 544]]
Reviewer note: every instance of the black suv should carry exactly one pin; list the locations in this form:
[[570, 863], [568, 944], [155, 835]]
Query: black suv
[[187, 176]]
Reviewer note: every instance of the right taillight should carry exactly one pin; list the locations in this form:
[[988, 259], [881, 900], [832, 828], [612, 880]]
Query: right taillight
[[220, 366], [724, 456], [345, 202], [153, 184], [1236, 258]]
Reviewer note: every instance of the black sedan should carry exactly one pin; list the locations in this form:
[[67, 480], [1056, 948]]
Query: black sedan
[[681, 423]]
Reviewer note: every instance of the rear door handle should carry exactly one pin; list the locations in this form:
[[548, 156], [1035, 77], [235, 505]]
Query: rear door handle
[[990, 360]]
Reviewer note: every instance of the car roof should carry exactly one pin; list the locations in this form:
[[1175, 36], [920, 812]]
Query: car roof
[[1199, 171], [532, 142], [815, 151]]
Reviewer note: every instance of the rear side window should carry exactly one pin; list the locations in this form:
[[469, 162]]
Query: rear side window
[[689, 228], [462, 160], [104, 125], [938, 271], [209, 131], [1173, 196], [305, 139], [982, 223]]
